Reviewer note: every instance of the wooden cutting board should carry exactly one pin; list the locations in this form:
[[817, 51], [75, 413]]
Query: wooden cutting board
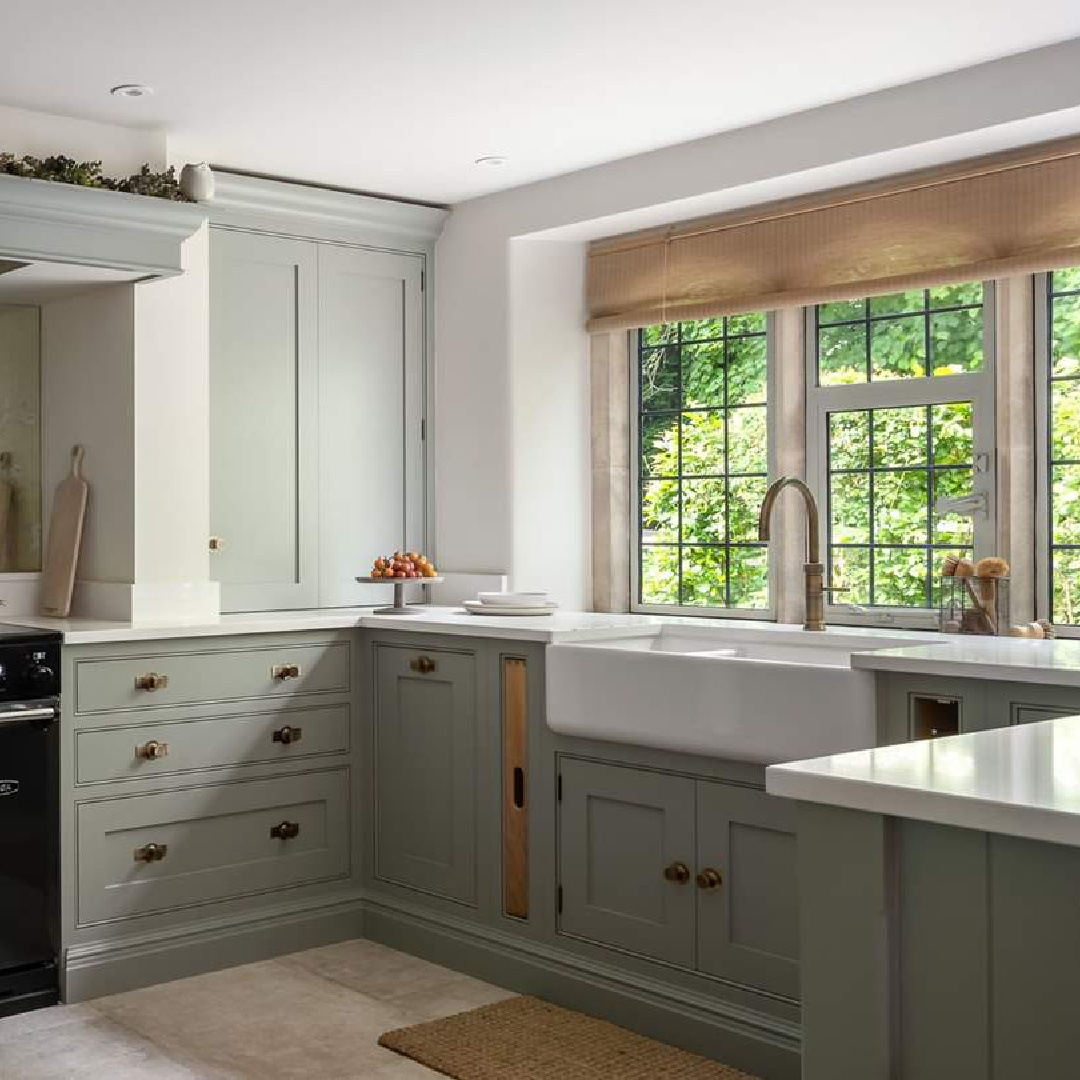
[[65, 539]]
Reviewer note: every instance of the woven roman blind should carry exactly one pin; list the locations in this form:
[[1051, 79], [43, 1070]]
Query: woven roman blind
[[988, 217]]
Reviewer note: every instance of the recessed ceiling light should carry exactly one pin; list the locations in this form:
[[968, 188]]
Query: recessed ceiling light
[[491, 161], [132, 90]]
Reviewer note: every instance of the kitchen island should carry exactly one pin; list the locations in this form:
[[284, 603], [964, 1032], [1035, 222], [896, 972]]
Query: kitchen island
[[939, 891]]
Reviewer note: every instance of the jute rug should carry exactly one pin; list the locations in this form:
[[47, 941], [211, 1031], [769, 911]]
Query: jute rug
[[525, 1038]]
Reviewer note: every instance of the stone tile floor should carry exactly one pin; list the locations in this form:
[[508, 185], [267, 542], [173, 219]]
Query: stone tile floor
[[315, 1014]]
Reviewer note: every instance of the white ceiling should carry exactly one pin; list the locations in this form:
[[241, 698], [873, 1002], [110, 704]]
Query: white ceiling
[[402, 97]]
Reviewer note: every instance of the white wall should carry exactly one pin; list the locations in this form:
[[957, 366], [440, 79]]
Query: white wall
[[485, 450], [549, 453], [120, 150]]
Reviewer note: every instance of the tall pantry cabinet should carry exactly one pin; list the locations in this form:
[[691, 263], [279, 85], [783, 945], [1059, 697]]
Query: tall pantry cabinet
[[319, 337]]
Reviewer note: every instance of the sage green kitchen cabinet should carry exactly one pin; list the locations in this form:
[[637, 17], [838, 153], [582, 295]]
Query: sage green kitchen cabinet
[[371, 409], [264, 420], [697, 873], [748, 915], [317, 416], [425, 728], [625, 859]]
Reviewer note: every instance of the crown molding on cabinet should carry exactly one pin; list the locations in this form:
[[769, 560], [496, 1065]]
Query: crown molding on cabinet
[[320, 213], [46, 221]]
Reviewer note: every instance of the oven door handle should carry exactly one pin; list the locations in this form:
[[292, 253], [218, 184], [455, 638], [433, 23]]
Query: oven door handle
[[17, 716]]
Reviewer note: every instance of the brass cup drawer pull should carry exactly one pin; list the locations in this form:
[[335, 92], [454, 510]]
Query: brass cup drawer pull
[[710, 879], [287, 830], [678, 872], [151, 853], [288, 735], [151, 681], [152, 750], [424, 664], [283, 672]]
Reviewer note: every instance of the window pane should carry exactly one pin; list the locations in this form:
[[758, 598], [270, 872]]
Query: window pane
[[703, 375], [900, 507], [898, 348], [954, 433], [748, 450], [703, 577], [842, 311], [1065, 573], [851, 572], [897, 303], [703, 458], [703, 443], [1065, 420], [659, 379], [750, 322], [660, 445], [900, 577], [1065, 504], [842, 355], [745, 497], [953, 529], [899, 436], [849, 440], [849, 505], [703, 511], [746, 370], [660, 512], [956, 295], [659, 575], [956, 341], [702, 329], [1065, 333], [749, 577], [1066, 280]]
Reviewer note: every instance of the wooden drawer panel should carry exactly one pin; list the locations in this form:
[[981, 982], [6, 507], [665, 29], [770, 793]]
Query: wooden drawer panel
[[218, 844], [143, 751], [222, 675]]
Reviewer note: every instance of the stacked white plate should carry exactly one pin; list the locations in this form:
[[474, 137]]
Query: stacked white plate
[[511, 603]]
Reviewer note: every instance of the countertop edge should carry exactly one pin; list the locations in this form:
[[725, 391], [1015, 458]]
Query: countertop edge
[[936, 807]]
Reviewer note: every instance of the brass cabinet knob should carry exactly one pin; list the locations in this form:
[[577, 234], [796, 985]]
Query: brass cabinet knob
[[151, 681], [424, 664], [216, 543], [151, 853], [152, 750], [281, 672], [287, 735], [287, 830], [678, 872], [710, 879]]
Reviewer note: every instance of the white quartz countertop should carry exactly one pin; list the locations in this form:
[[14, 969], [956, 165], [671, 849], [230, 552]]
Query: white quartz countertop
[[1055, 662], [1021, 781], [560, 626]]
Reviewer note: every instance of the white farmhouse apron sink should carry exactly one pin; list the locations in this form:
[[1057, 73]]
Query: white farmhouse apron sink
[[761, 697]]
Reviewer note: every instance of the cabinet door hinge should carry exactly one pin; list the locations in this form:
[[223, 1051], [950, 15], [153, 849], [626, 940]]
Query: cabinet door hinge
[[559, 789], [558, 898]]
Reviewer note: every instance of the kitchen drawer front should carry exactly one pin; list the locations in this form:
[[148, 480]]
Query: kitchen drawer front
[[115, 684], [217, 843], [167, 747]]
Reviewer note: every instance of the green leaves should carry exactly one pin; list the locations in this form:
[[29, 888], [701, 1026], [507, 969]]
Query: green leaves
[[65, 170]]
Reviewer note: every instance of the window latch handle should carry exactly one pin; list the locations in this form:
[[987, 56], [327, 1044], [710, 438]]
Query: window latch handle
[[966, 505]]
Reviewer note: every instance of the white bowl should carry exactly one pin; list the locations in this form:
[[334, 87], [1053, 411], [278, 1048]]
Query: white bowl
[[514, 599]]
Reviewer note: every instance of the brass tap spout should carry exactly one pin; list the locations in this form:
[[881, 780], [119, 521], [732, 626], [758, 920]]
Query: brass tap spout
[[813, 570]]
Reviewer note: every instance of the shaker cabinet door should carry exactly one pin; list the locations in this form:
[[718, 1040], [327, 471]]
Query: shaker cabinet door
[[626, 857], [371, 386], [263, 420], [425, 770], [748, 914]]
